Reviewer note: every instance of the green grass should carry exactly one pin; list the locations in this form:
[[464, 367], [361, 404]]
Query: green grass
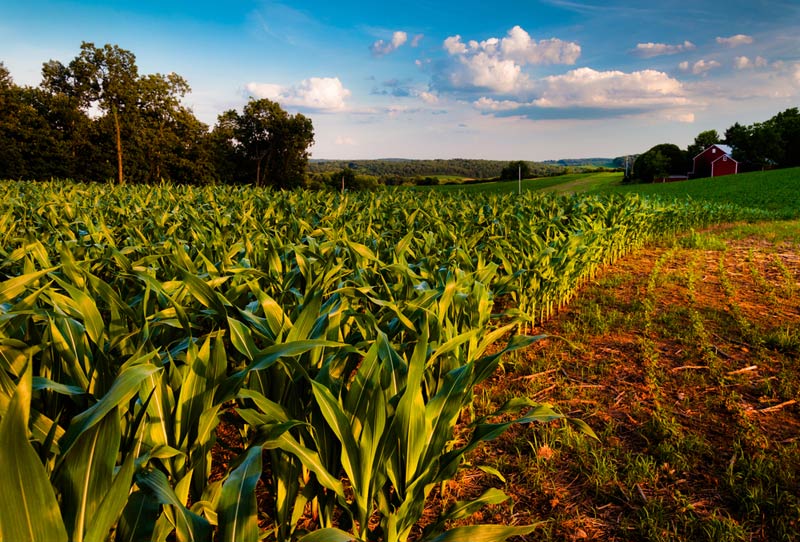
[[776, 191], [511, 187]]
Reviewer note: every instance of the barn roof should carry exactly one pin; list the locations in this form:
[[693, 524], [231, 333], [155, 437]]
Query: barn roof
[[726, 149]]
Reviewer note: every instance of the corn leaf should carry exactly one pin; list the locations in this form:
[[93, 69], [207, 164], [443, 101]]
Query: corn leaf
[[29, 511]]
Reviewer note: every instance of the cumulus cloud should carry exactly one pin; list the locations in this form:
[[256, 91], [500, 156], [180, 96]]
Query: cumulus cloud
[[415, 41], [380, 47], [315, 93], [585, 93], [585, 87], [703, 66], [735, 41], [454, 45], [649, 50], [518, 45], [483, 70], [743, 62], [496, 64]]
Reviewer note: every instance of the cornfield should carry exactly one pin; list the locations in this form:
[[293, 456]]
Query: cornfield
[[344, 333]]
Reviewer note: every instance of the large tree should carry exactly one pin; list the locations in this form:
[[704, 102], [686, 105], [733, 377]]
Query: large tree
[[516, 169], [143, 125], [102, 77], [660, 161], [264, 144]]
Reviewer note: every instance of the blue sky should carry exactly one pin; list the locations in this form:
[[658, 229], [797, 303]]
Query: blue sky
[[531, 80]]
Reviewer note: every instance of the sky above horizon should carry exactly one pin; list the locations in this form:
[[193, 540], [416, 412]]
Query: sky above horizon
[[532, 80]]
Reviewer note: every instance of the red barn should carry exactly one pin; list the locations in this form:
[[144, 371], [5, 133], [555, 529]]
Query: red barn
[[715, 161]]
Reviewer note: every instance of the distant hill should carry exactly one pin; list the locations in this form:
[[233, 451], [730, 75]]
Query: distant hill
[[460, 167]]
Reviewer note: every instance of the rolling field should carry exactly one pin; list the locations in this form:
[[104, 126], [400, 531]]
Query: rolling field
[[226, 363]]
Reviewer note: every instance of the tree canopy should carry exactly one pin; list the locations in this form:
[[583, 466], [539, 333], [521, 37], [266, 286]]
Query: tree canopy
[[264, 144], [660, 161], [96, 118], [516, 169]]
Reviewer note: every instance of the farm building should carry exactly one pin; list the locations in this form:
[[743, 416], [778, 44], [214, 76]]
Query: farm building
[[714, 161]]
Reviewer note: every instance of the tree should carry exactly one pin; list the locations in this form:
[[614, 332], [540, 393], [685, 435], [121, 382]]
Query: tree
[[105, 77], [786, 125], [702, 142], [264, 144], [660, 161], [151, 135], [514, 169]]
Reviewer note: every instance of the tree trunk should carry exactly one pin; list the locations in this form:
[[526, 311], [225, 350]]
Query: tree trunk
[[120, 178]]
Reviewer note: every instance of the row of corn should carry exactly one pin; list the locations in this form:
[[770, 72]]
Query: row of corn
[[341, 336]]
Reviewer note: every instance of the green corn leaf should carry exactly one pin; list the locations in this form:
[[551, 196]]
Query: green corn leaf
[[242, 339], [42, 383], [189, 526], [91, 316], [29, 511], [483, 533], [86, 471], [123, 389], [138, 518], [237, 508], [337, 420], [463, 509], [111, 507], [13, 287], [278, 436]]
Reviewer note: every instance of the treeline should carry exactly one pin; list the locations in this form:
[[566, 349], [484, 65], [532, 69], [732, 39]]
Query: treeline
[[405, 169], [608, 163], [96, 118], [771, 144]]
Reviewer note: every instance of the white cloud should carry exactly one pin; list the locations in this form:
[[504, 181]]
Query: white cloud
[[743, 62], [648, 50], [417, 39], [483, 70], [428, 97], [519, 46], [315, 93], [585, 87], [490, 104], [496, 64], [703, 66], [735, 41], [380, 47], [454, 45], [684, 66]]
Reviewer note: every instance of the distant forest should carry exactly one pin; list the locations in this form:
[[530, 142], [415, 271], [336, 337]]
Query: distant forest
[[610, 163], [459, 167]]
